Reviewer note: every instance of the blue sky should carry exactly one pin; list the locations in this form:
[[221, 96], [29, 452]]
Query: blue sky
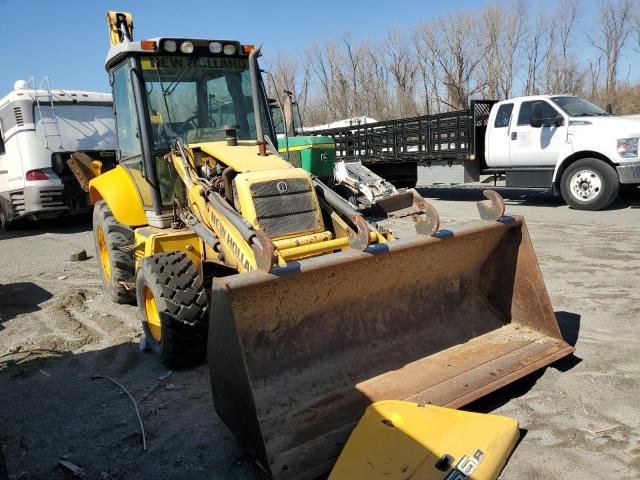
[[67, 39]]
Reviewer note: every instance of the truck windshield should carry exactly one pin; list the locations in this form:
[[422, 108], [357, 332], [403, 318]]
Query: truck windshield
[[578, 107], [194, 97]]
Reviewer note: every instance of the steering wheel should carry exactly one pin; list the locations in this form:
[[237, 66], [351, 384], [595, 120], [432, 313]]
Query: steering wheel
[[190, 123]]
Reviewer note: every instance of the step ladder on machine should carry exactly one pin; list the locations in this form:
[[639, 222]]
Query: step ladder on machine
[[50, 125]]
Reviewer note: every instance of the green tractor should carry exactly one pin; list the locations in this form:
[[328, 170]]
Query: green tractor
[[378, 199]]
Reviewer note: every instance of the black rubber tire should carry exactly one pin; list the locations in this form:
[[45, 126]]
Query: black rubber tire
[[610, 184], [122, 263], [6, 225], [182, 304]]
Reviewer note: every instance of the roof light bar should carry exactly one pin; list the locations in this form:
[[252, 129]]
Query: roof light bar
[[148, 45], [186, 47]]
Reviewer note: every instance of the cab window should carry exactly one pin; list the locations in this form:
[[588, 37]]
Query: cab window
[[126, 122], [526, 108], [503, 117]]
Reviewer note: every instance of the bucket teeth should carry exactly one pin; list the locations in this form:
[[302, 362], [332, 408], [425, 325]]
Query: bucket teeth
[[264, 251], [495, 209], [426, 220], [359, 240]]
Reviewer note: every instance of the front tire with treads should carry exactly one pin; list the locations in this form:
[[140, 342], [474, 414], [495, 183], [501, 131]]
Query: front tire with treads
[[113, 242], [173, 306]]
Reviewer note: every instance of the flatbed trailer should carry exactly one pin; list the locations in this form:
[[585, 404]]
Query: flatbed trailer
[[451, 144]]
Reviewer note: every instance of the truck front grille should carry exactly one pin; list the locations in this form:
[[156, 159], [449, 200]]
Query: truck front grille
[[286, 207]]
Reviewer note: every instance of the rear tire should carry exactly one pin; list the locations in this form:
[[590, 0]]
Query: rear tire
[[173, 306], [589, 184], [6, 225], [115, 265]]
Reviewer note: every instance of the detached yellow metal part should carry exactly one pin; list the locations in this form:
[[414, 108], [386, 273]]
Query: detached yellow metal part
[[400, 440]]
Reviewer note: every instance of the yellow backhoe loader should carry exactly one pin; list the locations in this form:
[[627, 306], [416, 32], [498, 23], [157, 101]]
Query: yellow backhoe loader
[[308, 314]]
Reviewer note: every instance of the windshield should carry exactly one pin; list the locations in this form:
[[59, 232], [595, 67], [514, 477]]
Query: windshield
[[578, 107], [194, 97], [276, 115]]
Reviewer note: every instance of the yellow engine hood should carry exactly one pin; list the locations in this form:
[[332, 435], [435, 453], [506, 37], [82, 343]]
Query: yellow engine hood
[[242, 157]]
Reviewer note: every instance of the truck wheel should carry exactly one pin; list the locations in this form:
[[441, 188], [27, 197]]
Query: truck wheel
[[589, 184], [173, 306], [116, 264]]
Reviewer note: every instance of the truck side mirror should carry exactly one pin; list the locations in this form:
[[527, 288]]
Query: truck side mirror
[[536, 115], [558, 121], [609, 109]]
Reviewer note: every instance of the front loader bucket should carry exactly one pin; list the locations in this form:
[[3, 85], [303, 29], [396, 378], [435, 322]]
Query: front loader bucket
[[297, 355]]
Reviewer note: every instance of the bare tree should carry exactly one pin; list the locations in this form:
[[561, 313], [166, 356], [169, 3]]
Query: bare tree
[[534, 54], [402, 66], [441, 64], [562, 71], [503, 31], [453, 41], [615, 26]]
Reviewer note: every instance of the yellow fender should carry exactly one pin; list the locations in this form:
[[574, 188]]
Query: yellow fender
[[117, 189]]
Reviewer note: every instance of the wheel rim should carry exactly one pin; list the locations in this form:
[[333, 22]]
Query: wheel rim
[[585, 185], [103, 252], [152, 314]]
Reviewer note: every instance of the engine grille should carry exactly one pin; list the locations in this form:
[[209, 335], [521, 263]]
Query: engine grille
[[285, 207]]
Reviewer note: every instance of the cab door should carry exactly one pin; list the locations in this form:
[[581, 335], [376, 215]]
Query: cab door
[[497, 145], [537, 146]]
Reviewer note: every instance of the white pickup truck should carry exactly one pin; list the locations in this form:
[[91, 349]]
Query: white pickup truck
[[560, 143], [566, 143]]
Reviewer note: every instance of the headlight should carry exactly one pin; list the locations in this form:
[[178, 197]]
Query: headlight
[[186, 47], [170, 46], [215, 47], [229, 49], [628, 147]]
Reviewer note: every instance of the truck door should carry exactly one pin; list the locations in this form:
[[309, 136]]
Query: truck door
[[497, 145], [530, 146]]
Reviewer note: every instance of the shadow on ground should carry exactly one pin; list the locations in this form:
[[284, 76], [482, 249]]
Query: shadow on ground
[[63, 225], [58, 411], [21, 297], [569, 324], [512, 196]]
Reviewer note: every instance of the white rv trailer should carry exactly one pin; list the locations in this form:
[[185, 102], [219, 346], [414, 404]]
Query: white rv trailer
[[39, 129]]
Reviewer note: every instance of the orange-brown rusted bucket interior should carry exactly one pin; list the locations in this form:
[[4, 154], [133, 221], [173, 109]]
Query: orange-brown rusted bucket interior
[[297, 355]]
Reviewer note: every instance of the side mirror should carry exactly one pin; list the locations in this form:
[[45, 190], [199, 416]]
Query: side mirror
[[536, 115], [558, 121], [609, 109]]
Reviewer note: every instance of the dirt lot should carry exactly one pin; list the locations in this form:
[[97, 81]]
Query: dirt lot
[[580, 418]]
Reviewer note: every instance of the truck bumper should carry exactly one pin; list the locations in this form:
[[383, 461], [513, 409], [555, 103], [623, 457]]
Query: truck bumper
[[629, 174], [36, 202]]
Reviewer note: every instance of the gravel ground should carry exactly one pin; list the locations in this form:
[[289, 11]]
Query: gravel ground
[[580, 418]]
